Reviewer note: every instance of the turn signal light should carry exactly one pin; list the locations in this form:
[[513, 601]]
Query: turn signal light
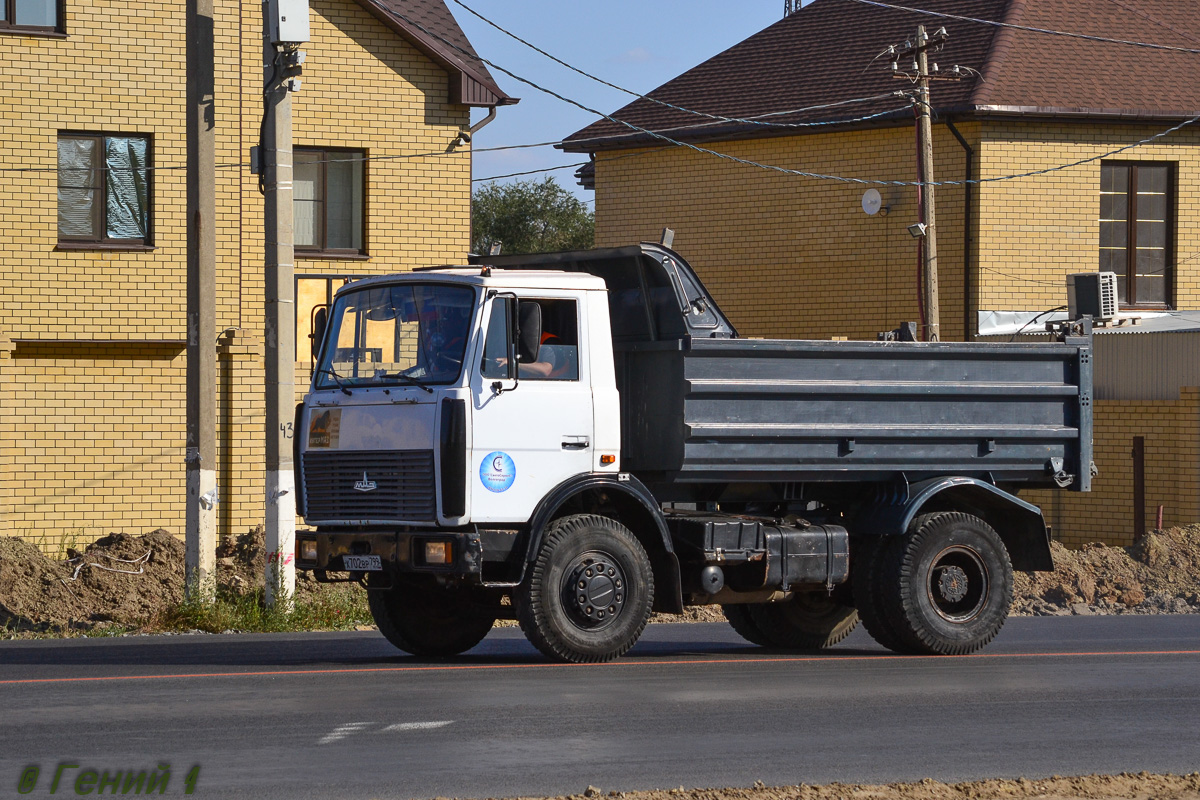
[[606, 460], [437, 552]]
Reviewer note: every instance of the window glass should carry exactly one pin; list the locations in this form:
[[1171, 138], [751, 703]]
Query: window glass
[[328, 199], [307, 191], [1136, 206], [495, 346], [78, 188], [36, 13], [343, 228], [126, 189], [558, 354], [397, 335], [104, 189]]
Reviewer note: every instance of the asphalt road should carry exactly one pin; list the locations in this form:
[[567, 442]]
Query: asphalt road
[[344, 715]]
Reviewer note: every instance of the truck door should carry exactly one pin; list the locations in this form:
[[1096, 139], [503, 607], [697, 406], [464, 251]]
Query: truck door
[[528, 439]]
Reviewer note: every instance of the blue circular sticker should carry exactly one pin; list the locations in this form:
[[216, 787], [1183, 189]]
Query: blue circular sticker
[[497, 472]]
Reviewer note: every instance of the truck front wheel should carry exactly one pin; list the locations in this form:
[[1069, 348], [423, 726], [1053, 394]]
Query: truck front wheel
[[588, 595], [947, 585], [430, 621]]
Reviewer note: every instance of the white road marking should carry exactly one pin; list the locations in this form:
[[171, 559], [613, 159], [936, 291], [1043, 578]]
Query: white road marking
[[342, 731], [418, 726]]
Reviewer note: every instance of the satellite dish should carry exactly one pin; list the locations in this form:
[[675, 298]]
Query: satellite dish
[[871, 202]]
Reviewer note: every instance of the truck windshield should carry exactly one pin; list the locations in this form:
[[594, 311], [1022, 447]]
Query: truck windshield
[[396, 335]]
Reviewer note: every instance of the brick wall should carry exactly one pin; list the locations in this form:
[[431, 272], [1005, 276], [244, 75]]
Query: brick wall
[[1172, 472], [118, 414], [787, 256], [1034, 231]]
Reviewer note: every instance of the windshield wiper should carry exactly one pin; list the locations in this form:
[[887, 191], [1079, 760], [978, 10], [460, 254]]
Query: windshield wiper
[[412, 381], [336, 379]]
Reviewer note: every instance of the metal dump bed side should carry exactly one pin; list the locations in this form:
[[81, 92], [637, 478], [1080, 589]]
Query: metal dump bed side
[[745, 410]]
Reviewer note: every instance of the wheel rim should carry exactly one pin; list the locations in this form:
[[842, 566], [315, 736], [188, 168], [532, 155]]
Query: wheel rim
[[959, 584], [593, 590]]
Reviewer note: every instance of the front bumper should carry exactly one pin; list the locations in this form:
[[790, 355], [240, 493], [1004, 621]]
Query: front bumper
[[406, 551]]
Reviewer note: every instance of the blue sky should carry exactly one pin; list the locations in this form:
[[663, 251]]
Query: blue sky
[[636, 45]]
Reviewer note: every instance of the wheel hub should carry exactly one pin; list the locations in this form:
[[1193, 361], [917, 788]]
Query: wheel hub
[[958, 584], [595, 589], [953, 584]]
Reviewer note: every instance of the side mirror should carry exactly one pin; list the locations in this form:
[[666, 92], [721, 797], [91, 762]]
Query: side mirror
[[529, 331], [319, 322]]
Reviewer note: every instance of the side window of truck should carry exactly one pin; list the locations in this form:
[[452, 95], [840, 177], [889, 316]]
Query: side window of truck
[[558, 353], [495, 346]]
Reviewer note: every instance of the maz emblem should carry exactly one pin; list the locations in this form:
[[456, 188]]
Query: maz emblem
[[365, 485]]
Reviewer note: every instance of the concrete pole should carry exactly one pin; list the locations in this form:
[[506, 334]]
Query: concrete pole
[[201, 453], [280, 332], [930, 277]]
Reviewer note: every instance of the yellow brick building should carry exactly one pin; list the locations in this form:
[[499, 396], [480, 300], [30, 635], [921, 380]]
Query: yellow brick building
[[1048, 162], [93, 296]]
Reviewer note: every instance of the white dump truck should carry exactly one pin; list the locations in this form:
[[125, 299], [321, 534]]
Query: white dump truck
[[576, 439]]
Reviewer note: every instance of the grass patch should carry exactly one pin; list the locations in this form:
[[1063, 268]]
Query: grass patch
[[335, 608]]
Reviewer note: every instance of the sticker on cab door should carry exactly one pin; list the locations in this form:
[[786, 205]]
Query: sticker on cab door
[[497, 472]]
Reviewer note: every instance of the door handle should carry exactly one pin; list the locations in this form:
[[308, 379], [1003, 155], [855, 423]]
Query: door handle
[[580, 443]]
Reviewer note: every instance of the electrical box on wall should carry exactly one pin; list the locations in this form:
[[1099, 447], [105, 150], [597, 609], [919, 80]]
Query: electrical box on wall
[[288, 20], [1092, 294]]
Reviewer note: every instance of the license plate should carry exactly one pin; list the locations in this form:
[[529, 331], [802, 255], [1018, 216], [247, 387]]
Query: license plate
[[362, 563]]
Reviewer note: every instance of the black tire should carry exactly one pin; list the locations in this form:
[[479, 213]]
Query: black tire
[[430, 621], [588, 595], [867, 554], [808, 621], [948, 584], [740, 620]]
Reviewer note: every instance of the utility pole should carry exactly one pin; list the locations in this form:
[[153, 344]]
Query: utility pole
[[201, 450], [928, 207], [286, 26], [926, 228]]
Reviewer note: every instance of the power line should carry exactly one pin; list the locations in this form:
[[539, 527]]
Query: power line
[[755, 119], [784, 170], [1031, 29], [528, 172]]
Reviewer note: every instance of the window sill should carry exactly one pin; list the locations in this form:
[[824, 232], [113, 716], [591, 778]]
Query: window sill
[[332, 255], [127, 248], [32, 32]]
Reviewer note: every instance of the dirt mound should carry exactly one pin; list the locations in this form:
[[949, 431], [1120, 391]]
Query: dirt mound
[[119, 578], [1160, 573], [1126, 786]]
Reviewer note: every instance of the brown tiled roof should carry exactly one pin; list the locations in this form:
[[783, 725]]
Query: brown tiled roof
[[430, 26], [825, 51]]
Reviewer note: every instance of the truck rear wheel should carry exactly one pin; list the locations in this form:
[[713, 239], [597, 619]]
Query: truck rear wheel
[[948, 585], [589, 593], [867, 554], [429, 621], [808, 621], [740, 620]]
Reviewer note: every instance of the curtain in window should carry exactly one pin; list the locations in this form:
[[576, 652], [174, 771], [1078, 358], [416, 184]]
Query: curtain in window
[[127, 189], [306, 198], [344, 216], [78, 176]]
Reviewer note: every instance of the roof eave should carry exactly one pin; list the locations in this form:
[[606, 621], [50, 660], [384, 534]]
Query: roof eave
[[467, 86], [958, 112]]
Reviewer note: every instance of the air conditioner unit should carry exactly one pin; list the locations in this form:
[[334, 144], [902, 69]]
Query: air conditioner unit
[[1092, 294]]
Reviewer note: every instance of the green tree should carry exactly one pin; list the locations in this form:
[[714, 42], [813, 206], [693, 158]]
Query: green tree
[[529, 217]]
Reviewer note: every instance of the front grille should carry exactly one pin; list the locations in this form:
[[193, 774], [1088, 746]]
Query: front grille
[[404, 485]]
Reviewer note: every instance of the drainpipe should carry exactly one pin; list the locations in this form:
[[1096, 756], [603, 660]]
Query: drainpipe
[[968, 196], [465, 136]]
